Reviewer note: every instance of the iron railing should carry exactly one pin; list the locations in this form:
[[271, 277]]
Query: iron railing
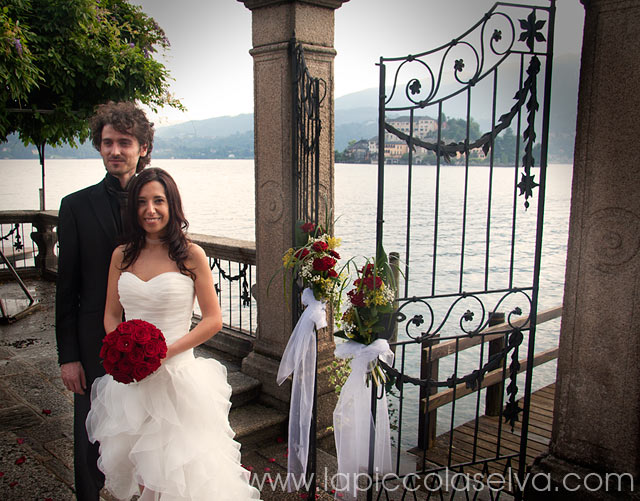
[[29, 241]]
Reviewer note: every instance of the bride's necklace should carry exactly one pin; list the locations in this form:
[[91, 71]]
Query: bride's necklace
[[153, 241]]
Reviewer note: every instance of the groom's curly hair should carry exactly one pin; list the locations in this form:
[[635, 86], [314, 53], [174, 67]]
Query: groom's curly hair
[[175, 232], [126, 118]]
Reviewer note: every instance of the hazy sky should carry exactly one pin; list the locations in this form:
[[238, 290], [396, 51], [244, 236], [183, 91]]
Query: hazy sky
[[210, 41]]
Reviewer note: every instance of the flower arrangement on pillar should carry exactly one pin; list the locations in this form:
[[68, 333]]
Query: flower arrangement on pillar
[[367, 325], [313, 263], [369, 315]]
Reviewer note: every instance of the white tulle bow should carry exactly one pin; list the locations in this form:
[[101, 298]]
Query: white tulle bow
[[352, 418], [299, 359]]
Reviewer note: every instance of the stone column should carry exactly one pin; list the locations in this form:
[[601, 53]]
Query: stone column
[[274, 24], [596, 426]]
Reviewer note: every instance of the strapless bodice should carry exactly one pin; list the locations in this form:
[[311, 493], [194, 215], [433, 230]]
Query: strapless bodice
[[166, 301]]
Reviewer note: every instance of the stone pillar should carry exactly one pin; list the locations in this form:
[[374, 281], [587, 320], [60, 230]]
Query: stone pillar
[[596, 428], [274, 24]]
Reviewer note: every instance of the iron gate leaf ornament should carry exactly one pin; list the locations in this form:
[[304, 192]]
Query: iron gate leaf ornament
[[531, 32]]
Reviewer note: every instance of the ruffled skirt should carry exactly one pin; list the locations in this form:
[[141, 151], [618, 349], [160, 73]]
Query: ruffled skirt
[[169, 433]]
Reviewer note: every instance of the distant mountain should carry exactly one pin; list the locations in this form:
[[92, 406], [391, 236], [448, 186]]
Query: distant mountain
[[356, 117], [356, 114], [211, 127]]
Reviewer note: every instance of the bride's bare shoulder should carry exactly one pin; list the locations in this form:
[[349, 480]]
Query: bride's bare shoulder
[[196, 255], [118, 254]]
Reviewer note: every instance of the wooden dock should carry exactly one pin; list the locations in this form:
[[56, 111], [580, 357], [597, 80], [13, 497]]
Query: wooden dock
[[466, 449]]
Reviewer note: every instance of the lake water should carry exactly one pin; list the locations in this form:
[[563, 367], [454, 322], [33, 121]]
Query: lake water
[[218, 196]]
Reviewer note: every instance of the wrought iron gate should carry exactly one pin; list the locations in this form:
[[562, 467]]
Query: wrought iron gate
[[478, 260], [308, 93]]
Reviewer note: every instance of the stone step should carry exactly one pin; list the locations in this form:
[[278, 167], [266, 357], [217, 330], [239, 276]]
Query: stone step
[[252, 422], [230, 345], [244, 388], [255, 423]]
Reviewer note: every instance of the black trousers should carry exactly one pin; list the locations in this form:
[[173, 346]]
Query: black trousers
[[88, 478]]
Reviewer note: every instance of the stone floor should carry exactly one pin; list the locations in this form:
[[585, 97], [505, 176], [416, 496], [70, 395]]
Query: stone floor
[[36, 411], [36, 414]]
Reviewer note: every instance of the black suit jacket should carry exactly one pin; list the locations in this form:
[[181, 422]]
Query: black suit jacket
[[87, 234]]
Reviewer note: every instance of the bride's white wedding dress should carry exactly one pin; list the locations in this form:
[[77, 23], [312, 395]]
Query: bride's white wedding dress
[[169, 432]]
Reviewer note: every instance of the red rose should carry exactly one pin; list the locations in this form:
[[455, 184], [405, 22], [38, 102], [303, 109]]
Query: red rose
[[125, 344], [152, 348], [103, 350], [113, 355], [153, 364], [141, 371], [121, 376], [125, 366], [367, 270], [323, 263], [108, 366], [333, 273], [334, 254], [142, 335], [372, 282], [320, 246], [357, 298], [126, 328], [308, 227], [111, 338], [136, 355], [302, 253]]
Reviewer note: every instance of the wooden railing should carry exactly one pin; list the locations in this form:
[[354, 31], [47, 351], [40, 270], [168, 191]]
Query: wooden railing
[[29, 241], [493, 380]]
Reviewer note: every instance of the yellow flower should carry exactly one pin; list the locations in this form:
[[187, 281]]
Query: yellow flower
[[348, 315], [333, 242], [287, 260], [378, 299]]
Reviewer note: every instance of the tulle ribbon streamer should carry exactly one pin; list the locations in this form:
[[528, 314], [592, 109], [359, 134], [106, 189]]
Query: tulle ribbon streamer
[[352, 418], [299, 359]]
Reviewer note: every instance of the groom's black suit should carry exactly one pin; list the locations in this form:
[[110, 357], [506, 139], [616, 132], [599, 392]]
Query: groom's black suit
[[88, 226]]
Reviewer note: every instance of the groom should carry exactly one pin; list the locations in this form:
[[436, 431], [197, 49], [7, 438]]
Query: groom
[[89, 225]]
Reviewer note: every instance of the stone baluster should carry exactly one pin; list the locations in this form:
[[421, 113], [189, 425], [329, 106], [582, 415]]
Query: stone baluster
[[46, 239]]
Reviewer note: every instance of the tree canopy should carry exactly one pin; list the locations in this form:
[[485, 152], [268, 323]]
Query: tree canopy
[[61, 58]]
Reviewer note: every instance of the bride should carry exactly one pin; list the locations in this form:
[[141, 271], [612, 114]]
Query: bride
[[166, 437]]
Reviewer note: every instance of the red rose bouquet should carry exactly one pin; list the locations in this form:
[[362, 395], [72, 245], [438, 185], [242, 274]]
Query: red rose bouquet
[[133, 351]]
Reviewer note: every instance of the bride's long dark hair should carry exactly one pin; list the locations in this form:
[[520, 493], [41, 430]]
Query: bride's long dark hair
[[174, 237]]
